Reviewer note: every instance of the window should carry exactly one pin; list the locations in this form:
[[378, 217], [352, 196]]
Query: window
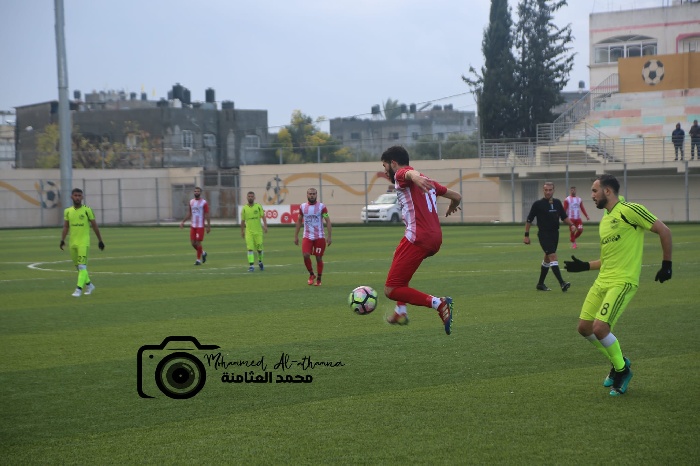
[[209, 140], [441, 136], [690, 44], [355, 136], [615, 48], [251, 141], [187, 139], [132, 141], [394, 136], [415, 136]]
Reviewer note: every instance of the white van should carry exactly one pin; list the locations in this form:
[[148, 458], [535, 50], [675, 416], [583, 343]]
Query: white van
[[385, 208]]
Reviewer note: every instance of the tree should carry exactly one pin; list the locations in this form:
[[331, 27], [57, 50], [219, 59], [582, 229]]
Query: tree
[[392, 109], [89, 151], [543, 65], [303, 142], [495, 86]]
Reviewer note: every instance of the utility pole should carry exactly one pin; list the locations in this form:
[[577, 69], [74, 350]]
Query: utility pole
[[64, 117]]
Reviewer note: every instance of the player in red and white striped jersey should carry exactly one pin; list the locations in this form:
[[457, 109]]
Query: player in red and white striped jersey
[[313, 214], [199, 213], [574, 207], [423, 237]]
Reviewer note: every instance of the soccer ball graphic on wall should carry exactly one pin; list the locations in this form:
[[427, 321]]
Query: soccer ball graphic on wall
[[49, 194], [653, 72]]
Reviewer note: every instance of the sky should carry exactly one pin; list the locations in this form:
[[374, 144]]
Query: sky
[[326, 58]]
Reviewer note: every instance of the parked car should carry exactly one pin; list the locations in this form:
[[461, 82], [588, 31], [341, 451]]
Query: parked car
[[385, 208]]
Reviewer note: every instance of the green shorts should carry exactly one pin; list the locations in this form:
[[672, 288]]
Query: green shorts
[[254, 241], [79, 254], [607, 302]]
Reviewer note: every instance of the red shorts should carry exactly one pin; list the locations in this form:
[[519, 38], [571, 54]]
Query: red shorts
[[407, 259], [196, 234], [313, 247], [577, 222]]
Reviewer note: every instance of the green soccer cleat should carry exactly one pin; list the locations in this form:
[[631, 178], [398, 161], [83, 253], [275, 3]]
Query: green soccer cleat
[[620, 382], [608, 382]]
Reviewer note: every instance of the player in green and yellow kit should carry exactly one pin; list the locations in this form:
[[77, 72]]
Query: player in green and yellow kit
[[252, 230], [621, 247], [77, 220]]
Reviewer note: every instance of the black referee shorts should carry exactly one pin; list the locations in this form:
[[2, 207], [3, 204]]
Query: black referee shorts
[[549, 240]]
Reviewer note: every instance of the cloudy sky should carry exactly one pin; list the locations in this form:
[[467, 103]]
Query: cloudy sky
[[327, 58]]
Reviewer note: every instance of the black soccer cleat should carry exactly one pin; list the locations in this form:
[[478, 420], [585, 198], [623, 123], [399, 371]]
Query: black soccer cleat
[[542, 287]]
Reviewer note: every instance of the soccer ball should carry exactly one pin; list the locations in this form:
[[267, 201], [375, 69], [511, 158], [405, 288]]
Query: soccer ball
[[363, 300], [653, 72]]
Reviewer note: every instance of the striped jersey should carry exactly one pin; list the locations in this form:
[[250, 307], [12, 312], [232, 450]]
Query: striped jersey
[[622, 242], [574, 207], [419, 211], [198, 207], [313, 219]]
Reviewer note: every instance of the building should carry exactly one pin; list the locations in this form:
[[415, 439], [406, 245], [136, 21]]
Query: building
[[641, 32], [177, 131], [373, 135]]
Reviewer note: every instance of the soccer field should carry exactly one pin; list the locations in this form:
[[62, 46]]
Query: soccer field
[[514, 383]]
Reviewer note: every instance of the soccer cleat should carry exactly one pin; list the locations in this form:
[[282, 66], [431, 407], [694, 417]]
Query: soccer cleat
[[608, 382], [251, 269], [260, 264], [77, 293], [89, 289], [620, 382], [565, 286], [398, 319], [573, 245], [312, 277], [445, 312], [318, 282], [542, 287], [197, 262], [204, 257]]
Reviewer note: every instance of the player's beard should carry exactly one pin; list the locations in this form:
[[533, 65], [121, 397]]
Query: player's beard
[[392, 175], [601, 203], [310, 201], [197, 196]]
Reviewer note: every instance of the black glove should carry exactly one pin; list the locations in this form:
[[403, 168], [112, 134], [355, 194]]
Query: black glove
[[576, 265], [101, 245], [63, 243], [664, 272]]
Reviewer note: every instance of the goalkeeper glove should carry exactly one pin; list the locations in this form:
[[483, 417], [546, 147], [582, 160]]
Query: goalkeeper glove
[[101, 245], [664, 272], [576, 265]]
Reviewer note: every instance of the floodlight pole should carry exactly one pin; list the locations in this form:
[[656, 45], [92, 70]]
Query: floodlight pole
[[64, 117]]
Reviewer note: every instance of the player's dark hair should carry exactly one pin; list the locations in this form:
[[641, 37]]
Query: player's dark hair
[[251, 192], [77, 190], [398, 154], [609, 181]]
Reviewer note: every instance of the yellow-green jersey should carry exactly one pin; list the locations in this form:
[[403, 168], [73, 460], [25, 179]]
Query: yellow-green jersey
[[252, 216], [622, 242], [79, 223]]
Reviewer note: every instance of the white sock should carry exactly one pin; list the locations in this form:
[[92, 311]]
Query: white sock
[[401, 310], [436, 302]]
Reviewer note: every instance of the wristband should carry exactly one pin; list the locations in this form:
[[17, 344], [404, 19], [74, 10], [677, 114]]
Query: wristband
[[527, 234]]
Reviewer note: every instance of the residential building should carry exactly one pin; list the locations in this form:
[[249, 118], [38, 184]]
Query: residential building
[[180, 132], [373, 135]]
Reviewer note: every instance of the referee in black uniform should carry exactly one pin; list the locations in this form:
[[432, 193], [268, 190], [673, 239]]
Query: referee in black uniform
[[548, 211]]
